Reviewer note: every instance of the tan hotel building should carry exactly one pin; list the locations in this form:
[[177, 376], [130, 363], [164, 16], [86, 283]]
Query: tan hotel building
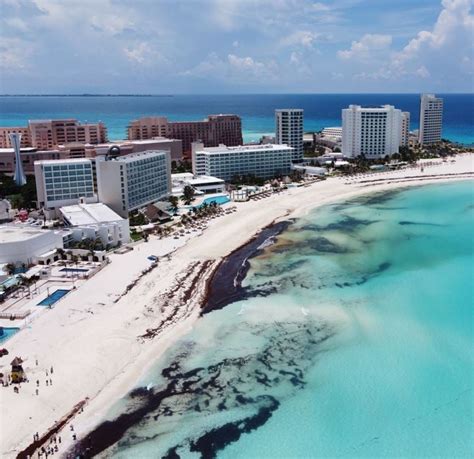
[[212, 131], [48, 134]]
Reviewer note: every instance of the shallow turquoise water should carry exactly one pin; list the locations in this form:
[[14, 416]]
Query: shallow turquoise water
[[363, 348]]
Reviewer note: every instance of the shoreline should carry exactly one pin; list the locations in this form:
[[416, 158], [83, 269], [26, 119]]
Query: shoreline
[[127, 359]]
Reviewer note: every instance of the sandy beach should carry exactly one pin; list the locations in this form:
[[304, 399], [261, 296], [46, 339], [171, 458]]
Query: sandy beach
[[95, 339]]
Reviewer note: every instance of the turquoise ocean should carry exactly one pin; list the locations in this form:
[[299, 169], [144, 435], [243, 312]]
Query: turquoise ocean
[[257, 110], [354, 339]]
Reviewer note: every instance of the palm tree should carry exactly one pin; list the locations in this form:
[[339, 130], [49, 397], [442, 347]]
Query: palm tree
[[174, 201], [188, 194], [9, 268]]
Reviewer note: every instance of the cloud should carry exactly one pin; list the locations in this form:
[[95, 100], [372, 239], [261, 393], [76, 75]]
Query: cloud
[[141, 53], [437, 54], [422, 72], [114, 24], [233, 68], [14, 54], [304, 38], [363, 48], [454, 26]]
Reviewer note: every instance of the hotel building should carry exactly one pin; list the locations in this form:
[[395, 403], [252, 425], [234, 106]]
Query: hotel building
[[127, 183], [264, 161], [48, 134], [431, 119], [63, 182], [95, 221], [5, 136], [289, 130], [212, 131], [405, 129], [372, 132]]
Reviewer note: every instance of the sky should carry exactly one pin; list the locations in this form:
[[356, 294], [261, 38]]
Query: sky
[[235, 46]]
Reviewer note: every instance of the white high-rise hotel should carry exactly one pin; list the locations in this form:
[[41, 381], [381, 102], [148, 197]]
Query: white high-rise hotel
[[289, 130], [431, 119], [373, 132]]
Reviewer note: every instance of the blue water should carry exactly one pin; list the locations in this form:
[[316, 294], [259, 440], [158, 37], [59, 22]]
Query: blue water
[[362, 346], [8, 332], [53, 298], [216, 199], [257, 111]]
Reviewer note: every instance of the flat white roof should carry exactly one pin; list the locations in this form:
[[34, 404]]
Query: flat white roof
[[18, 233], [22, 150], [142, 155], [89, 214], [182, 176], [58, 162], [204, 179], [299, 110], [245, 148]]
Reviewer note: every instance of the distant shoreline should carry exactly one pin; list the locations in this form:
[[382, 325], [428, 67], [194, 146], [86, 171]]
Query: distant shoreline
[[230, 94]]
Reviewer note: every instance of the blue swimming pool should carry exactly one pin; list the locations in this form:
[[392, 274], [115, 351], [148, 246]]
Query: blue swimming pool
[[74, 270], [216, 199], [55, 296], [7, 332]]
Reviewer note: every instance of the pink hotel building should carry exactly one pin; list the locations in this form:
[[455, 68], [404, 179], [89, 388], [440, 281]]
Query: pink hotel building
[[48, 134], [212, 131]]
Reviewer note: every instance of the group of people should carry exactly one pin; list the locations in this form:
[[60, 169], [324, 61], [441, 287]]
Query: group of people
[[49, 381], [51, 448]]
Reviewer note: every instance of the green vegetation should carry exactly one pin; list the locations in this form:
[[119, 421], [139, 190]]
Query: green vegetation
[[247, 180], [178, 167], [85, 244], [188, 195], [137, 219], [21, 197], [174, 202]]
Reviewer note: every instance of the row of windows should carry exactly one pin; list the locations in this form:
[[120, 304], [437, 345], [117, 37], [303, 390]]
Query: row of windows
[[66, 196]]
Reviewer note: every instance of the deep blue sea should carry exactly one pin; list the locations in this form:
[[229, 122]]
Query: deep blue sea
[[362, 347], [257, 111]]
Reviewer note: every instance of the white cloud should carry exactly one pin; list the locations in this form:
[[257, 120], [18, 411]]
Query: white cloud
[[304, 38], [114, 24], [14, 54], [422, 72], [320, 7], [363, 48], [251, 66], [233, 68], [455, 24], [141, 53]]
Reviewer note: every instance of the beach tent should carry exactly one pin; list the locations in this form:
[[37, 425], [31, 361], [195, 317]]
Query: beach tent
[[17, 373]]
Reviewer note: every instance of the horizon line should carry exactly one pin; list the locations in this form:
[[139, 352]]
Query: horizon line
[[224, 94]]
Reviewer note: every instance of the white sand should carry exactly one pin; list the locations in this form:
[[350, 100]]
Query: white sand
[[92, 342]]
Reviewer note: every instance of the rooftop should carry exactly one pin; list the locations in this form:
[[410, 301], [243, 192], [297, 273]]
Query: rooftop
[[142, 155], [244, 148], [63, 161], [89, 214], [18, 233]]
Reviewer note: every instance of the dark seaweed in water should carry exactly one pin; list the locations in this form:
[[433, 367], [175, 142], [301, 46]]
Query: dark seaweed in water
[[225, 286], [247, 384], [405, 223], [347, 223]]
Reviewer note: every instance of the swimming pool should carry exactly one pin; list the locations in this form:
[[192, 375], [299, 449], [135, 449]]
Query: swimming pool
[[8, 332], [55, 296], [216, 199], [74, 270]]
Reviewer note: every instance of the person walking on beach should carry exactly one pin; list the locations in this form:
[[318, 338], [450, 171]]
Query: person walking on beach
[[51, 369]]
